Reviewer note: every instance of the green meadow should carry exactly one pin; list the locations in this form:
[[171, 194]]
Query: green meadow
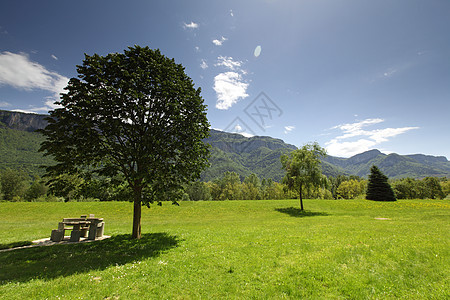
[[346, 249]]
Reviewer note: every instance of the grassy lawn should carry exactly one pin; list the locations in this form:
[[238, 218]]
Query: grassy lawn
[[353, 249]]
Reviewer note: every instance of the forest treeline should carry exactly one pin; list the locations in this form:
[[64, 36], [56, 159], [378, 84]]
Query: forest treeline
[[18, 186]]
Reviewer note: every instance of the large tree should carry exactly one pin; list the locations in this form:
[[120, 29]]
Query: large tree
[[378, 188], [134, 113], [303, 170]]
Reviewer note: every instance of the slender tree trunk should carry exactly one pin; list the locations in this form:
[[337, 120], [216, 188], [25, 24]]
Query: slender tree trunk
[[137, 191], [300, 196]]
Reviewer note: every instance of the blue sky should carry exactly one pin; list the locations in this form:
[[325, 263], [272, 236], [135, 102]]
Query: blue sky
[[351, 75]]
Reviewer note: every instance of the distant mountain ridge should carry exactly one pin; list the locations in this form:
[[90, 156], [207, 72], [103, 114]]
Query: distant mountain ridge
[[22, 121], [394, 165], [231, 152]]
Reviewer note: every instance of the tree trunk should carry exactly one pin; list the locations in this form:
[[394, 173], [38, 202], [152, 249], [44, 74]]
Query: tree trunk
[[137, 191], [301, 199]]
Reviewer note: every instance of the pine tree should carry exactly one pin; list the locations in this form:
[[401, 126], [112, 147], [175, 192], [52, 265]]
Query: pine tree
[[378, 188]]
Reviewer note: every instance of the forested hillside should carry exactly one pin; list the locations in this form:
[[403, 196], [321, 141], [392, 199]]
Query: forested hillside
[[19, 150], [393, 165], [231, 152]]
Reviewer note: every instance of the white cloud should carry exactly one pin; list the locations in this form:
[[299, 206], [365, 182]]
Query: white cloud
[[229, 87], [389, 72], [288, 129], [191, 25], [228, 62], [219, 42], [365, 139], [18, 71], [240, 130], [4, 104], [204, 65], [31, 111]]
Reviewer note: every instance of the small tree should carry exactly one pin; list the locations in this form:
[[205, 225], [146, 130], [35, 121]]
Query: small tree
[[35, 190], [303, 170], [198, 190], [378, 188], [405, 188], [136, 114], [433, 188], [12, 183]]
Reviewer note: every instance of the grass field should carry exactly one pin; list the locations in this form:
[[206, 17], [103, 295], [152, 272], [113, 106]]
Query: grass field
[[354, 249]]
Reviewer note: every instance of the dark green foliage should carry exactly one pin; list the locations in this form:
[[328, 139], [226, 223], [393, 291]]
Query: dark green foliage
[[198, 190], [66, 185], [406, 188], [37, 189], [431, 188], [378, 188], [12, 184], [136, 114]]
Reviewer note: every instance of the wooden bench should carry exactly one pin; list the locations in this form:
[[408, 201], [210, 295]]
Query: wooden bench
[[84, 226]]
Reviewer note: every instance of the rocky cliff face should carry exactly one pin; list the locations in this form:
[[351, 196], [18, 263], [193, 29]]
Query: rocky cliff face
[[22, 121]]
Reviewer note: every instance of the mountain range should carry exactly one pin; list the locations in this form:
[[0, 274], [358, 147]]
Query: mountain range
[[229, 152]]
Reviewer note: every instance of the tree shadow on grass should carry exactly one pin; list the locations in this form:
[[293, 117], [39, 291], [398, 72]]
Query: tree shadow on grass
[[298, 213], [49, 262], [15, 244]]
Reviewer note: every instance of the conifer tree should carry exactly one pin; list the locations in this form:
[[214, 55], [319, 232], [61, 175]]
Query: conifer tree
[[378, 188]]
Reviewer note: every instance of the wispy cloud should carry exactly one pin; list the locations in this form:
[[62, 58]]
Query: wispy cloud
[[31, 111], [355, 139], [229, 87], [204, 65], [191, 25], [220, 41], [228, 62], [288, 129], [4, 104], [389, 72], [18, 71]]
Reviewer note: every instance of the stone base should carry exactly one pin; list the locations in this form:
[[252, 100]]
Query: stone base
[[100, 230], [84, 232], [75, 235], [57, 235]]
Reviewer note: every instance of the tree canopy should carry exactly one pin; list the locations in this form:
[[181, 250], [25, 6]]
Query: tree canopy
[[378, 188], [303, 170], [134, 113]]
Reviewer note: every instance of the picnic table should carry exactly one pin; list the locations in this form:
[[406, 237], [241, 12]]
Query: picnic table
[[87, 227]]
